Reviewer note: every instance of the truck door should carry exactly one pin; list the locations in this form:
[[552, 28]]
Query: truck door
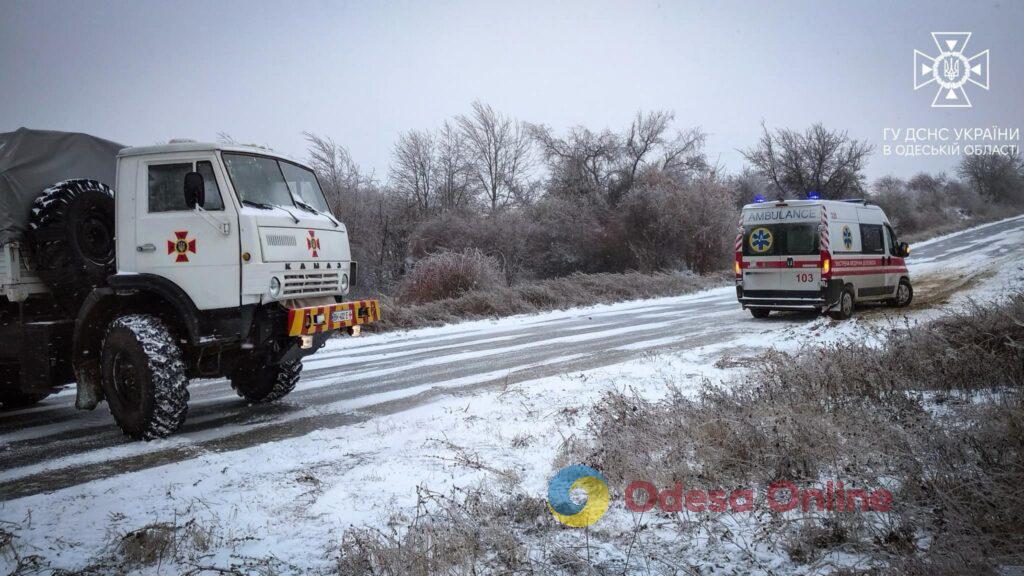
[[196, 249]]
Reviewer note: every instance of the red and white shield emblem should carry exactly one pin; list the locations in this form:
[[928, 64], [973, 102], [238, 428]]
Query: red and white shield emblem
[[181, 246], [313, 244]]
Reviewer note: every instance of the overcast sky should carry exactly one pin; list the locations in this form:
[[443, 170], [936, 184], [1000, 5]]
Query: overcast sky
[[361, 72]]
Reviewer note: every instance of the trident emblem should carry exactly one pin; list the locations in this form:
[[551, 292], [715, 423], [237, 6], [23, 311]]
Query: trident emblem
[[950, 69]]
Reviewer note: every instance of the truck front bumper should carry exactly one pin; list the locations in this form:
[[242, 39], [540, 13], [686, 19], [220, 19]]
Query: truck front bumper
[[321, 319]]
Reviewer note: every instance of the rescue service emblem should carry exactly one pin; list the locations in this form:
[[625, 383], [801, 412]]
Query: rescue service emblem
[[181, 246], [847, 238], [761, 240], [313, 244]]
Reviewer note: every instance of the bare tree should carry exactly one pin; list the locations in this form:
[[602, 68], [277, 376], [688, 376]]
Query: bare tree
[[608, 166], [339, 176], [818, 160], [413, 172], [500, 152], [582, 163], [454, 169], [996, 177]]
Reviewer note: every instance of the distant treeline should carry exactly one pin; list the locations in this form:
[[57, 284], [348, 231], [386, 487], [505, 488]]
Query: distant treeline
[[522, 202]]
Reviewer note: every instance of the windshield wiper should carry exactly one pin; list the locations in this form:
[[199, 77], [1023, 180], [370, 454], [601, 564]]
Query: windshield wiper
[[255, 204], [265, 206], [309, 208]]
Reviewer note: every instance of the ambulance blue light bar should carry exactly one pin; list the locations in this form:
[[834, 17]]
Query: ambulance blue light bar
[[759, 199], [813, 195]]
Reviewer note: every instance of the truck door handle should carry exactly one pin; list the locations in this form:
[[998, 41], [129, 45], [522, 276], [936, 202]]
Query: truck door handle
[[146, 248]]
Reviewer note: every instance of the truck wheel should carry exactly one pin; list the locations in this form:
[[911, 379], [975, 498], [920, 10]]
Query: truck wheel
[[72, 238], [266, 383], [143, 377], [846, 302], [760, 313], [904, 294]]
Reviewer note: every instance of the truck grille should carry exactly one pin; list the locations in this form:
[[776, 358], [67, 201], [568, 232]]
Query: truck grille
[[310, 283]]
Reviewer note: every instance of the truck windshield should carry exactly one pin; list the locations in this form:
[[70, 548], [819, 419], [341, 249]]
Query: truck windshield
[[797, 239], [263, 180]]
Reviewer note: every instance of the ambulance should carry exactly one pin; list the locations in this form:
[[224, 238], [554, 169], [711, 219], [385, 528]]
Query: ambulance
[[813, 255]]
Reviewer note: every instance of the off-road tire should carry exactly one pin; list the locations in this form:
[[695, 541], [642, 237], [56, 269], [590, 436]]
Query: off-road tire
[[71, 235], [266, 383], [899, 301], [760, 313], [847, 301], [143, 377]]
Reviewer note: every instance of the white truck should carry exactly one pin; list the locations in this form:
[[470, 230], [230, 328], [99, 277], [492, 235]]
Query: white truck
[[818, 255], [226, 262]]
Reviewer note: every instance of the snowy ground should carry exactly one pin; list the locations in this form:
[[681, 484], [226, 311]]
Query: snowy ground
[[467, 404]]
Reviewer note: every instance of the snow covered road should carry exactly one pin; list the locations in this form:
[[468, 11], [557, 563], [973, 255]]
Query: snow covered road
[[52, 446]]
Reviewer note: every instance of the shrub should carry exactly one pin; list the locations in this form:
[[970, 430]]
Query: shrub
[[449, 275], [937, 415]]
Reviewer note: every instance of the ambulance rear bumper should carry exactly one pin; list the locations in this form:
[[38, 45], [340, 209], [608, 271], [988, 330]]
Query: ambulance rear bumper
[[790, 299]]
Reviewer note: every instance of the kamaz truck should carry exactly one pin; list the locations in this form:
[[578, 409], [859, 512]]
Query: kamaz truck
[[129, 271]]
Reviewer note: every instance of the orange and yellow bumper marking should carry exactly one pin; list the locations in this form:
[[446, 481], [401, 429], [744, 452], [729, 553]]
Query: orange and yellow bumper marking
[[317, 319]]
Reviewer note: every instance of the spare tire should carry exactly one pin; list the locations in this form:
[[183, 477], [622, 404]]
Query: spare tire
[[71, 233]]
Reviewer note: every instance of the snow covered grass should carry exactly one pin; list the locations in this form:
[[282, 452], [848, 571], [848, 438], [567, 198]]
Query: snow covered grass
[[554, 294], [862, 415]]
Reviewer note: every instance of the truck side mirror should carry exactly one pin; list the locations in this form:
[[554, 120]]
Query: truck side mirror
[[904, 249], [195, 190]]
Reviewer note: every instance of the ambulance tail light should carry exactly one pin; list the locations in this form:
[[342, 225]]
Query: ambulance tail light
[[738, 265], [826, 265]]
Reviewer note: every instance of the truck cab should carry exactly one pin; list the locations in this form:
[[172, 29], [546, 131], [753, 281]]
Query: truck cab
[[210, 261], [818, 255]]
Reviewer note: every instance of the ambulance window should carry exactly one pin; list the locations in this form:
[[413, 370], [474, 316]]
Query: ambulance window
[[893, 242], [801, 239], [166, 187], [871, 239]]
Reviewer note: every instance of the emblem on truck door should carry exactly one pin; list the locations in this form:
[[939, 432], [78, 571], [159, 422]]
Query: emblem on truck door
[[313, 244], [181, 246]]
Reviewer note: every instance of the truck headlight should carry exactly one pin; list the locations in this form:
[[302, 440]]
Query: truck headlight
[[275, 287], [343, 283]]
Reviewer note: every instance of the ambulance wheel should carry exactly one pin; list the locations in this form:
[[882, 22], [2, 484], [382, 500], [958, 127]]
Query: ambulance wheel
[[760, 313], [143, 377], [904, 294], [266, 383], [846, 302], [71, 233]]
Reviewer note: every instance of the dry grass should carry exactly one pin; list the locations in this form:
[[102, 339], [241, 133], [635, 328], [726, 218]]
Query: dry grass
[[543, 295], [463, 533], [937, 414]]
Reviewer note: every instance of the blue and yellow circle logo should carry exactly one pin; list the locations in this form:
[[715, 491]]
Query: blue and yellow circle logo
[[761, 240], [583, 478], [847, 238]]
